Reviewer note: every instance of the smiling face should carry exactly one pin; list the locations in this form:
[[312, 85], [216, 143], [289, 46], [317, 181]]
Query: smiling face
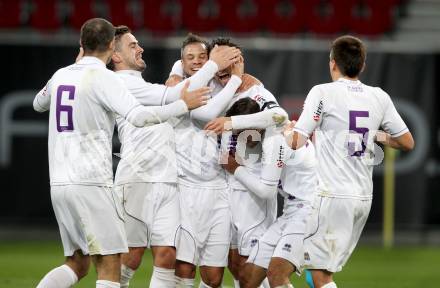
[[130, 53], [194, 55]]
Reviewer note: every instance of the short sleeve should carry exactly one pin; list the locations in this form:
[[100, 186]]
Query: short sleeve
[[311, 115], [392, 123], [42, 99]]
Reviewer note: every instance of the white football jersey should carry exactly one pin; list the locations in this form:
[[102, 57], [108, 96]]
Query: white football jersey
[[148, 153], [83, 99], [197, 155], [293, 171], [265, 100], [345, 116]]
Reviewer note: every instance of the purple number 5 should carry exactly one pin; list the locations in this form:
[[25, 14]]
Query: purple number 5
[[65, 108], [353, 115]]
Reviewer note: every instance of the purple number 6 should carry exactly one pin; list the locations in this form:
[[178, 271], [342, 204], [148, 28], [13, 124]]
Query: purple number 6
[[65, 108], [360, 130]]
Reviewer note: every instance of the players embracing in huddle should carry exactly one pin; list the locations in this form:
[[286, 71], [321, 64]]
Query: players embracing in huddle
[[202, 160]]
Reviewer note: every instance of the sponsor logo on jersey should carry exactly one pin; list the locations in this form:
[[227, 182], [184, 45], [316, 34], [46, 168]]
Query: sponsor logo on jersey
[[287, 247], [318, 112], [280, 160]]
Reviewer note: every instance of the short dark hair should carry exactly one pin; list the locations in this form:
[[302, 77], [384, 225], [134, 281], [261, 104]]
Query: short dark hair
[[96, 35], [224, 41], [193, 38], [120, 31], [243, 106], [349, 54]]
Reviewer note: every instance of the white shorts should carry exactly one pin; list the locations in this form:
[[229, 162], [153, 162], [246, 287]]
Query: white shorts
[[333, 231], [90, 219], [152, 215], [205, 226], [284, 238], [251, 217]]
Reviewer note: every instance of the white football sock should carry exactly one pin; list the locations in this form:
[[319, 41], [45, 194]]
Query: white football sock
[[60, 277], [162, 277], [107, 284], [330, 285], [236, 283], [265, 283], [184, 282], [126, 275], [203, 285], [285, 286]]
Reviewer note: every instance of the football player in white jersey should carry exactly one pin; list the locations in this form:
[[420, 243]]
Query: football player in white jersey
[[203, 189], [251, 87], [247, 227], [345, 116], [147, 174], [83, 99], [279, 251]]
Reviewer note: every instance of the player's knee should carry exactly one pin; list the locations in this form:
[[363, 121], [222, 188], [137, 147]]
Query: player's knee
[[185, 270], [276, 277], [165, 258], [213, 280], [80, 268]]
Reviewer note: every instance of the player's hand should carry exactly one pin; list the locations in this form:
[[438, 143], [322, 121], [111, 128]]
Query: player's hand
[[195, 98], [238, 67], [288, 131], [219, 125], [224, 56], [231, 165], [288, 127], [80, 54], [247, 81], [173, 80]]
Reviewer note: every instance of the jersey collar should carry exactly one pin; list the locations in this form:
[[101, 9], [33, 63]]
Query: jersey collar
[[347, 81], [131, 72], [86, 60]]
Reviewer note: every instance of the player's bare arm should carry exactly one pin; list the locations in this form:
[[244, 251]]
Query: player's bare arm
[[195, 98], [404, 142], [231, 165]]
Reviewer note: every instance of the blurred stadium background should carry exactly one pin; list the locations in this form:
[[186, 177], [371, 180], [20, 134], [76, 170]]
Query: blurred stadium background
[[286, 46]]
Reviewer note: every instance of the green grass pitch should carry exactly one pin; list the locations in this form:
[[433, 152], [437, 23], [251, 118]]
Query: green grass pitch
[[22, 264]]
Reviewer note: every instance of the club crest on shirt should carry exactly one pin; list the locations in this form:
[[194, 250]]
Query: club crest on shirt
[[287, 247], [306, 256], [254, 242], [318, 112]]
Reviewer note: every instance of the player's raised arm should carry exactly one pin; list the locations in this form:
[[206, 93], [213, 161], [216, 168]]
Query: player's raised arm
[[144, 116], [42, 99], [220, 58], [220, 102], [272, 114]]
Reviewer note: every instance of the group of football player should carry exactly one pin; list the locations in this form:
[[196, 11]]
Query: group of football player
[[202, 160]]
